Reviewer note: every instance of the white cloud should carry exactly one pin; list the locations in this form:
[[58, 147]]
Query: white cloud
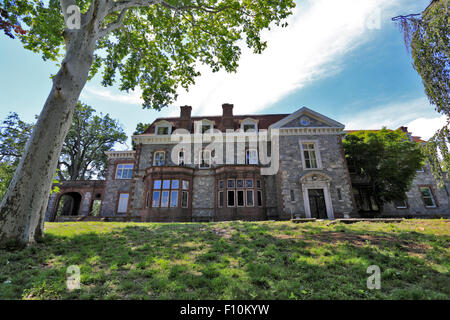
[[426, 127], [416, 114], [106, 94], [320, 32]]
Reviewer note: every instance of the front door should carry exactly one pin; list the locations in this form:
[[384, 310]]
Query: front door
[[317, 204]]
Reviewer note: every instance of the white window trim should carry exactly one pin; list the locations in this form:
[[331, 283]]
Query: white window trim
[[259, 191], [228, 203], [316, 149], [154, 158], [402, 207], [124, 164], [253, 196], [205, 122], [250, 121], [187, 200], [243, 198], [163, 124], [218, 198], [118, 204], [257, 157], [200, 159], [179, 158], [432, 198]]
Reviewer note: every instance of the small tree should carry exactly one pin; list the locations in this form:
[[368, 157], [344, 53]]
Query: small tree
[[140, 129], [387, 159]]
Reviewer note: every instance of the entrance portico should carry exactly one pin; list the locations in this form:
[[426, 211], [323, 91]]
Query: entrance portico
[[316, 195]]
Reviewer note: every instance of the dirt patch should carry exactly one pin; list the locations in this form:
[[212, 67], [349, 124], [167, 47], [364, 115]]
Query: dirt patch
[[222, 232], [334, 238]]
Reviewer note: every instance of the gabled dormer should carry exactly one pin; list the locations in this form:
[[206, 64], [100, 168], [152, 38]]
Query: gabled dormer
[[249, 125], [163, 128], [204, 126]]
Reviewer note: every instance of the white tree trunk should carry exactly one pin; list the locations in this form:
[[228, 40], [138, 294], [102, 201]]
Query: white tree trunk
[[24, 204]]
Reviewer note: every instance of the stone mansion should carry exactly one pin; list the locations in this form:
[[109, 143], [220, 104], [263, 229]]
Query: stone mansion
[[231, 167]]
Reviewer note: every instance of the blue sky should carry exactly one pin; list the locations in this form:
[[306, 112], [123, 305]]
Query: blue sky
[[343, 58]]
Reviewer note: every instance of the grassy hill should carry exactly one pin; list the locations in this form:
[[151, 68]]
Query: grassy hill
[[233, 260]]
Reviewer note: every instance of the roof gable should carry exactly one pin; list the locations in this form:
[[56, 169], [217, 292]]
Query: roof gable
[[306, 118]]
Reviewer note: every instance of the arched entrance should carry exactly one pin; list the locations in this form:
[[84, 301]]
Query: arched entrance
[[68, 205]]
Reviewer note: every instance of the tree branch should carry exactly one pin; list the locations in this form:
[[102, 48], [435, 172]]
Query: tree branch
[[114, 25]]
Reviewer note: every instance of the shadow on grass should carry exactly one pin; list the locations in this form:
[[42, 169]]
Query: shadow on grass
[[234, 260]]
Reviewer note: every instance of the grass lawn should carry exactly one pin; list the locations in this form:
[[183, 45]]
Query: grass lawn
[[233, 260]]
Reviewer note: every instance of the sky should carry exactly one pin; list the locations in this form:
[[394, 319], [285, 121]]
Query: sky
[[345, 59]]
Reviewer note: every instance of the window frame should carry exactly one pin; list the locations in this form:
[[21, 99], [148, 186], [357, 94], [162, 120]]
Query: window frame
[[316, 152], [433, 197], [118, 202], [201, 158], [247, 156], [122, 170], [154, 158]]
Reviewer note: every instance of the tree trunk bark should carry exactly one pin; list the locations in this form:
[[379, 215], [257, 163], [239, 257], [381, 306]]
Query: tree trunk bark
[[23, 207]]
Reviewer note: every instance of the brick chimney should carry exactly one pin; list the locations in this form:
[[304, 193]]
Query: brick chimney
[[185, 117], [227, 116]]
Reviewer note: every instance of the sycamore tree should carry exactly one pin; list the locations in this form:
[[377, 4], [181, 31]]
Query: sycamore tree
[[387, 159], [156, 45], [426, 35]]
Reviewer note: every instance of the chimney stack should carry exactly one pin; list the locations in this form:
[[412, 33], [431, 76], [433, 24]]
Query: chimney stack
[[227, 116], [185, 117]]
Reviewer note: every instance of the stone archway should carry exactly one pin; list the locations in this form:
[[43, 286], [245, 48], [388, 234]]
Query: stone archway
[[315, 187], [68, 204]]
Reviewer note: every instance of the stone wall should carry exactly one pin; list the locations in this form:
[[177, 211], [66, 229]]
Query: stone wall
[[333, 165], [113, 188], [415, 204]]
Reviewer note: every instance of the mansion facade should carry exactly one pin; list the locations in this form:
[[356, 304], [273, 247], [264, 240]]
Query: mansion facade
[[237, 167]]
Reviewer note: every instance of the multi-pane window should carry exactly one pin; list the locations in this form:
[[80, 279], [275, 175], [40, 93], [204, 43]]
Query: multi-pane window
[[185, 194], [249, 127], [123, 203], [309, 155], [159, 158], [259, 193], [401, 204], [428, 198], [206, 128], [166, 193], [124, 171], [239, 192], [205, 159], [251, 156], [162, 130]]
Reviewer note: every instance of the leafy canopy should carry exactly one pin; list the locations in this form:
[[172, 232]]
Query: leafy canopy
[[388, 159], [83, 154], [427, 36], [153, 44]]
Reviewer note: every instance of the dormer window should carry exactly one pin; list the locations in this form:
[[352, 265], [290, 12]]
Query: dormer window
[[249, 125], [204, 126], [163, 128], [162, 131]]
